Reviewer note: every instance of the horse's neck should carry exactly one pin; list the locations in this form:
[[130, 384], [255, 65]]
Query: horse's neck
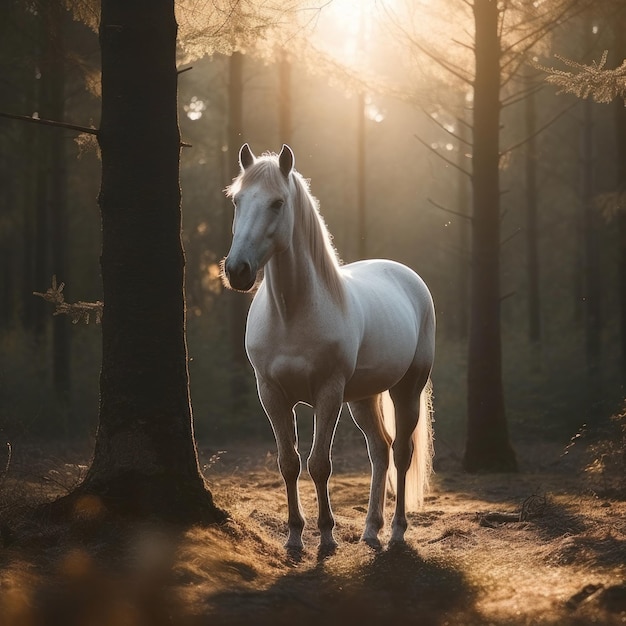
[[304, 274], [291, 280]]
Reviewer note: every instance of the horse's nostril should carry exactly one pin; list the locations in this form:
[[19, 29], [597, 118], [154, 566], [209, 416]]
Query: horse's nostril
[[242, 270], [239, 274]]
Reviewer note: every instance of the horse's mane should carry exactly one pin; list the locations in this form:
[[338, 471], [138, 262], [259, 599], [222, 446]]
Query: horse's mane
[[307, 217]]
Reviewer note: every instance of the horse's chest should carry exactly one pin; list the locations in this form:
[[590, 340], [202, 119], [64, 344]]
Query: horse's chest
[[296, 359]]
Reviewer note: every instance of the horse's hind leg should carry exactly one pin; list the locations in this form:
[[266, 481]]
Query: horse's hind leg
[[367, 416], [405, 396], [282, 418]]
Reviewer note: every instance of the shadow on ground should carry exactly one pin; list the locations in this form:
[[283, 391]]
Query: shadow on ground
[[393, 586]]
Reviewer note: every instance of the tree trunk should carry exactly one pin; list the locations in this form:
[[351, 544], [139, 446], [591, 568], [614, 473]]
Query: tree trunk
[[620, 131], [488, 447], [53, 16], [532, 247], [238, 303], [592, 279], [463, 244], [42, 175], [361, 184], [284, 98], [145, 459], [235, 118]]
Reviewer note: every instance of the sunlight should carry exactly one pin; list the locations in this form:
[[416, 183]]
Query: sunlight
[[341, 28], [195, 108], [347, 29], [372, 111]]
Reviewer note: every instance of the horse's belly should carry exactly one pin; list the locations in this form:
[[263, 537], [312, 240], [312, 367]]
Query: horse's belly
[[365, 385], [370, 380]]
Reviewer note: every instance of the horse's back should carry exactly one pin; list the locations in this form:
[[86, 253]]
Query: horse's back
[[390, 286]]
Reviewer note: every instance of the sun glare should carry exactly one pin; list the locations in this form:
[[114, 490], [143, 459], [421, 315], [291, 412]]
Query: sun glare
[[372, 38], [346, 29], [373, 112], [195, 108]]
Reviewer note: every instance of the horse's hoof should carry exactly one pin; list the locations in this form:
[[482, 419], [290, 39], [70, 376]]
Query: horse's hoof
[[295, 554], [397, 536], [396, 545], [326, 550], [373, 543]]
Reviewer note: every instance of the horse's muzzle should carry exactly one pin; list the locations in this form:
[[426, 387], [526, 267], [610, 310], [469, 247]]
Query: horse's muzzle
[[241, 276]]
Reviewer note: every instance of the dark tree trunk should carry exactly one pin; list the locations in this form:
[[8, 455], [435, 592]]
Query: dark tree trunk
[[361, 185], [284, 98], [620, 130], [42, 175], [145, 459], [25, 190], [235, 114], [590, 275], [53, 16], [592, 279], [488, 447], [532, 247], [461, 294], [237, 303], [29, 306]]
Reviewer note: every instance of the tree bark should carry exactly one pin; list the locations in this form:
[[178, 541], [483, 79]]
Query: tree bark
[[145, 459], [361, 182], [488, 447], [238, 303], [532, 246], [42, 149], [284, 98], [53, 16], [592, 279], [620, 131], [463, 244]]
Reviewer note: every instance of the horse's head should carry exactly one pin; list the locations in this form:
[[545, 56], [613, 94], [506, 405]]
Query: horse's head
[[263, 222]]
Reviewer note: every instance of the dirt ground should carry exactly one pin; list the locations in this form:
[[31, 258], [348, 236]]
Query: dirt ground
[[468, 559]]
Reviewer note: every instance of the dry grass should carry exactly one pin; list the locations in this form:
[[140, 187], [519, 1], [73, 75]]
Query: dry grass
[[564, 565]]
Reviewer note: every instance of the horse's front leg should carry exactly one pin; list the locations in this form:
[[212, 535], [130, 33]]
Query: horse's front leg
[[327, 408], [282, 419]]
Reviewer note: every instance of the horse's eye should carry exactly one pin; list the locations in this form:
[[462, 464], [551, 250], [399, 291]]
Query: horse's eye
[[277, 204]]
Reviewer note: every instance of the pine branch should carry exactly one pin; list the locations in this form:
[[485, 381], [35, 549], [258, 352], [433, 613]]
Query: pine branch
[[448, 66], [451, 211], [443, 127], [517, 57], [610, 204], [506, 240], [37, 120], [595, 81], [443, 158], [538, 131], [521, 95], [78, 311], [81, 129]]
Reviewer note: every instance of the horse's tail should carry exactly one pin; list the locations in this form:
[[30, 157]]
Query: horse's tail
[[420, 470]]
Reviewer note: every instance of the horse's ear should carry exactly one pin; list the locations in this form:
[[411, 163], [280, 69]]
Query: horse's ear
[[286, 160], [246, 158]]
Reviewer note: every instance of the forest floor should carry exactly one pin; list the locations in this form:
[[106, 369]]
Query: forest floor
[[468, 559]]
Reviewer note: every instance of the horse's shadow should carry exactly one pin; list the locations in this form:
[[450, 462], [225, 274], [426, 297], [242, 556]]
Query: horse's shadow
[[386, 586]]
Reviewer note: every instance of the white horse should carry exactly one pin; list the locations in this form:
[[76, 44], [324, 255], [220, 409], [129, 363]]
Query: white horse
[[323, 334]]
